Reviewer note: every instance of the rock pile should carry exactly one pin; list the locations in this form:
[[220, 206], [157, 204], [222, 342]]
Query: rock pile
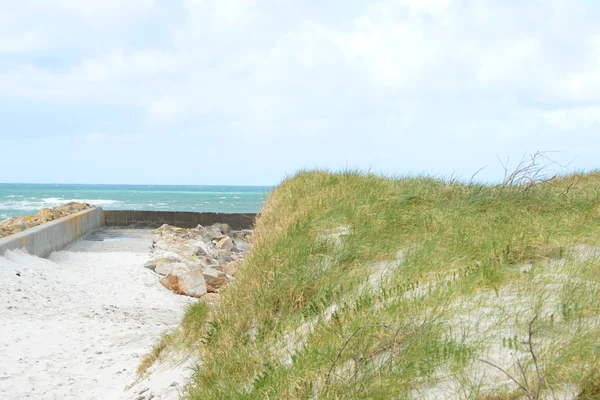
[[18, 224], [200, 261]]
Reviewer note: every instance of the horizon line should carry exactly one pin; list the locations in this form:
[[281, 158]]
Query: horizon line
[[133, 184]]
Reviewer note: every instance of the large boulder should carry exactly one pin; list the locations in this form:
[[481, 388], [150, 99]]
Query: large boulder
[[204, 249], [186, 282], [179, 247], [215, 278], [182, 255], [226, 230], [244, 234], [241, 245], [210, 233], [166, 268], [164, 257], [233, 268], [224, 244]]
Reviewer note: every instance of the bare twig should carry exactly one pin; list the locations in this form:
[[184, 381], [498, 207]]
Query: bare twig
[[369, 347], [532, 170], [477, 172], [523, 374], [339, 354], [507, 374], [534, 357], [525, 386]]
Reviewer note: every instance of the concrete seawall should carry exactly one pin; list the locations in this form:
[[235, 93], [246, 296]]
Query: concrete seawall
[[154, 219], [55, 235]]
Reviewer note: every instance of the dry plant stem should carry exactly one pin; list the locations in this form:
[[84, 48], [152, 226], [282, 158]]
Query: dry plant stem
[[534, 357], [531, 171], [533, 395], [507, 374]]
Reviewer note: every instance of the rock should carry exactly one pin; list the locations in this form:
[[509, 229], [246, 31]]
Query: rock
[[185, 282], [226, 230], [242, 234], [191, 262], [171, 245], [225, 244], [211, 289], [213, 233], [210, 251], [211, 297], [204, 248], [151, 264], [19, 227], [241, 245], [215, 278], [18, 224], [225, 257], [166, 268], [163, 229], [233, 268]]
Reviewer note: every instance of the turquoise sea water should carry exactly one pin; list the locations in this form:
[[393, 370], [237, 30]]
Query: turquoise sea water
[[28, 199]]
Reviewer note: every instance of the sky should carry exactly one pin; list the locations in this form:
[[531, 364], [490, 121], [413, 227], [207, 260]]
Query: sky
[[246, 92]]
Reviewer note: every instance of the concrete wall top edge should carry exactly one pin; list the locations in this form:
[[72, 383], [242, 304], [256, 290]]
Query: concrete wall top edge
[[55, 235], [35, 229]]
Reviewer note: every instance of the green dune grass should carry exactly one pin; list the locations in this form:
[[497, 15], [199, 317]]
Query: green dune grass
[[365, 287]]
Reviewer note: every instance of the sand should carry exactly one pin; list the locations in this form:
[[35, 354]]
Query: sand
[[75, 325]]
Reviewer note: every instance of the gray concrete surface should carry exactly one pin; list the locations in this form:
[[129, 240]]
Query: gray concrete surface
[[115, 240], [55, 235]]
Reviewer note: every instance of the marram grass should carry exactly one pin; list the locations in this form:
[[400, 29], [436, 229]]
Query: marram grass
[[365, 287]]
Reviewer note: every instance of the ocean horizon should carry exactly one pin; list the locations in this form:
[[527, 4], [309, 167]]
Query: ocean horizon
[[28, 198]]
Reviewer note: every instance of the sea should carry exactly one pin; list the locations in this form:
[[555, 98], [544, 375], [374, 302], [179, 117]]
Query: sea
[[28, 199]]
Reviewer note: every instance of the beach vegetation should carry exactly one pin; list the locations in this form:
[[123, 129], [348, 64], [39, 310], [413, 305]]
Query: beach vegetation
[[360, 286]]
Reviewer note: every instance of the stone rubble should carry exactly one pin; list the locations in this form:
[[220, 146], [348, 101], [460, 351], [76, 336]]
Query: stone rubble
[[198, 262], [18, 224]]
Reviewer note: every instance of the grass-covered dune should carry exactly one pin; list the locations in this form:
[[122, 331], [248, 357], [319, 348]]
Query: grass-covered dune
[[360, 286]]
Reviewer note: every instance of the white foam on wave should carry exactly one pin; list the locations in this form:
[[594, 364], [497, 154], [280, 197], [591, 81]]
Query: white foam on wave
[[36, 205], [97, 202], [21, 205]]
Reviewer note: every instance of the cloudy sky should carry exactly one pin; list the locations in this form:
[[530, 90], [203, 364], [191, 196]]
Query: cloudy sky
[[245, 92]]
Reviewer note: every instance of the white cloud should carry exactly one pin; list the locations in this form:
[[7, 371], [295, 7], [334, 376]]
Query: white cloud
[[394, 53], [428, 6], [221, 14], [22, 43], [391, 73], [572, 119], [502, 63], [95, 12], [103, 137]]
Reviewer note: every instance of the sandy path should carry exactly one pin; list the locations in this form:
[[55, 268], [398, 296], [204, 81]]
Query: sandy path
[[75, 326]]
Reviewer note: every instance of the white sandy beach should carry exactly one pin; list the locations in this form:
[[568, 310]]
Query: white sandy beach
[[76, 325]]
